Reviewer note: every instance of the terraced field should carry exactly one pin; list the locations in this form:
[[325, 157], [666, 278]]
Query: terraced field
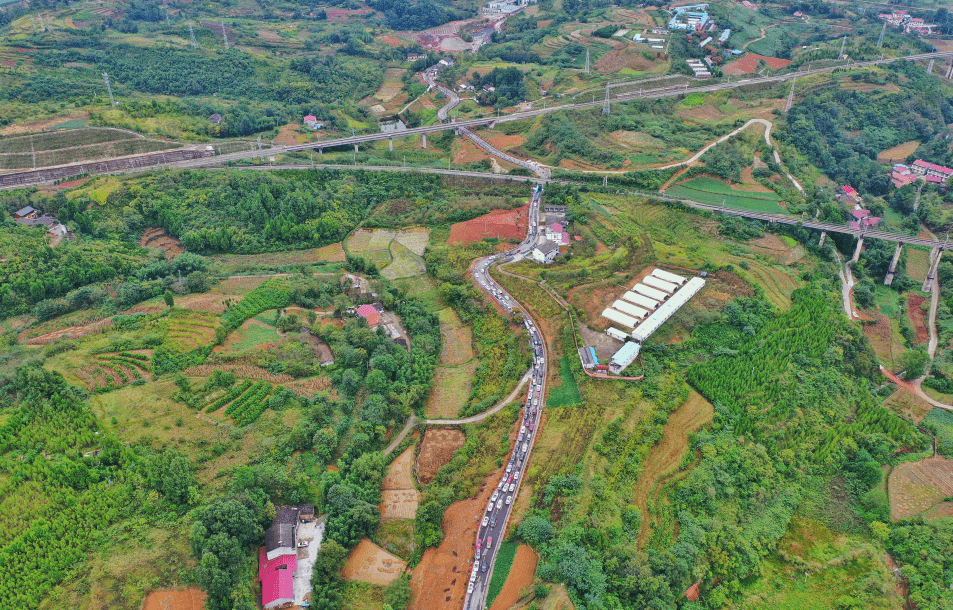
[[396, 254], [715, 192], [114, 370], [187, 330]]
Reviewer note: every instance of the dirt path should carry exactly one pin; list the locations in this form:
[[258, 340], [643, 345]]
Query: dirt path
[[914, 387], [481, 416], [745, 45], [847, 283], [411, 422]]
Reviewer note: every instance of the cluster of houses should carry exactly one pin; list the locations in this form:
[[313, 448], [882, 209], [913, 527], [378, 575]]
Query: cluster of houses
[[862, 218], [32, 217], [909, 25], [698, 68], [312, 122], [553, 241], [377, 317], [278, 559], [505, 7], [902, 175], [691, 18]]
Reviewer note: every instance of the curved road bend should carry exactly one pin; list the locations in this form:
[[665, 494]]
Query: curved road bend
[[516, 116]]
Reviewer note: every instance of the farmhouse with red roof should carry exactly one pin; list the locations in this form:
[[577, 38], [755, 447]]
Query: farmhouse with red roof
[[369, 313]]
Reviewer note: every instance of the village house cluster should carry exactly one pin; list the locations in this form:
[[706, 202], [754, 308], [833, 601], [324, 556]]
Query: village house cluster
[[902, 175], [32, 217], [909, 25]]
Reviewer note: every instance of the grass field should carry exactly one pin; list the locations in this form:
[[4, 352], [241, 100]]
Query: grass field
[[234, 263], [501, 569], [250, 335], [918, 262], [357, 595], [943, 421], [568, 393], [405, 263], [715, 192], [667, 455], [451, 389]]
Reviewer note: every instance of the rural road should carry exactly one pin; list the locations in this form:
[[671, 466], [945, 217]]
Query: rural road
[[494, 522], [479, 417]]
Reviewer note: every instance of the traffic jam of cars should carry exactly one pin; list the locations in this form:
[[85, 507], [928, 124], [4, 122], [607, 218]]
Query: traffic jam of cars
[[493, 522]]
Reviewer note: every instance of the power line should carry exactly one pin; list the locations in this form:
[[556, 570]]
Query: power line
[[880, 42], [605, 105], [587, 60], [112, 100]]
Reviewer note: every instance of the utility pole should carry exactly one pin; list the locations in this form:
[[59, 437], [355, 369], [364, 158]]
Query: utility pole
[[112, 100], [605, 105], [587, 60], [224, 34], [192, 36], [880, 42]]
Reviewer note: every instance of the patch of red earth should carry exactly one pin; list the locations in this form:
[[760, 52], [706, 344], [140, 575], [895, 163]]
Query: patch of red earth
[[918, 317], [499, 224], [749, 64], [693, 592], [906, 385], [389, 40], [342, 14]]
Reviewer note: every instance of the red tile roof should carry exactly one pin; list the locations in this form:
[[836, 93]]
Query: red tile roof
[[310, 117], [858, 214], [369, 313], [277, 577], [849, 190]]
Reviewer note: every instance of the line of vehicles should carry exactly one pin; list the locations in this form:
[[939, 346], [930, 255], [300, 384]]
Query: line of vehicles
[[497, 512]]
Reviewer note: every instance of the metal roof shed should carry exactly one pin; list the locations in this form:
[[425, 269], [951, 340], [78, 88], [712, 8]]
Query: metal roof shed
[[624, 357], [641, 301], [629, 308], [615, 333], [651, 293], [663, 313], [654, 282], [669, 277], [619, 317]]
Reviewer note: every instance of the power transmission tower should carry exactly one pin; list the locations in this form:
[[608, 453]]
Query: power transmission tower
[[192, 36], [605, 104], [842, 43], [34, 21], [880, 41], [224, 35], [112, 100], [42, 27], [587, 61]]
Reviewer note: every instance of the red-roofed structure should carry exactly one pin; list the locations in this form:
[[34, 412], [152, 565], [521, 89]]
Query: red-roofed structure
[[369, 313], [277, 578], [858, 214], [928, 170]]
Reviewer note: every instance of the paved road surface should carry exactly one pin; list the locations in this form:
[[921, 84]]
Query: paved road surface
[[497, 513]]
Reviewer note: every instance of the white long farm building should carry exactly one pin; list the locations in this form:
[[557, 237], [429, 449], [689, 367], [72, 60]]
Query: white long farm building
[[655, 282], [615, 333], [629, 308], [669, 277], [663, 313], [651, 293], [641, 301], [620, 318], [624, 357]]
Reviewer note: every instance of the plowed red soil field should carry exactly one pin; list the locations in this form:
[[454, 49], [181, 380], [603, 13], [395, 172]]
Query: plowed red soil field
[[520, 578], [918, 317], [749, 64], [501, 224], [189, 599]]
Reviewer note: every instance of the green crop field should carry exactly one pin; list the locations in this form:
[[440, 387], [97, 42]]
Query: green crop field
[[501, 570], [714, 192], [568, 393]]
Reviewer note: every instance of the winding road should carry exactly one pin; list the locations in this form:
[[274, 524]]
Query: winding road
[[21, 179]]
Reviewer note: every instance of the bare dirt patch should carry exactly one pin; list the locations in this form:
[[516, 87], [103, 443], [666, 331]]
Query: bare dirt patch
[[887, 346], [154, 237], [504, 142], [898, 153], [438, 447], [400, 473], [440, 579], [166, 599], [370, 563], [919, 486], [908, 405], [667, 455], [399, 497], [288, 134], [499, 224], [918, 317], [73, 332], [520, 578], [37, 126], [749, 64], [457, 346]]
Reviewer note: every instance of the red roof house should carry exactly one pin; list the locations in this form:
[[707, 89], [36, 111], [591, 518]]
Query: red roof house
[[310, 118], [858, 214], [369, 313], [277, 579]]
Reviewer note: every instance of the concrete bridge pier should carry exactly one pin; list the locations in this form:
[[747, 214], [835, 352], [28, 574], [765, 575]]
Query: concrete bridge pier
[[355, 148], [390, 144], [423, 140], [858, 249], [892, 270], [930, 66], [935, 255], [820, 244]]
